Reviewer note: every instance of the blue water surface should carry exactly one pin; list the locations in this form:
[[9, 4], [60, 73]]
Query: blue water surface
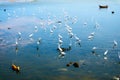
[[41, 61]]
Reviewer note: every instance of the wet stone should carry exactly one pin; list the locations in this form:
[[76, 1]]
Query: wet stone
[[113, 12], [76, 65]]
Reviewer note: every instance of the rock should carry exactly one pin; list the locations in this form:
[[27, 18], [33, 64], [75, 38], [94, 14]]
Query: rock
[[113, 12], [4, 10], [67, 65], [76, 65]]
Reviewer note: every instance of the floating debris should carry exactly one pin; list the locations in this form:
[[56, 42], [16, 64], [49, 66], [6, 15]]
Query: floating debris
[[15, 68]]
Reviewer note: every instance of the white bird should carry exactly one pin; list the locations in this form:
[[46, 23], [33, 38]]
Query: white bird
[[19, 34], [30, 35], [92, 34], [54, 27], [90, 37], [114, 44], [16, 42], [39, 40], [97, 25], [62, 54], [60, 37], [71, 35], [51, 31], [105, 53], [77, 39], [60, 41], [36, 28], [94, 48], [59, 48], [85, 23]]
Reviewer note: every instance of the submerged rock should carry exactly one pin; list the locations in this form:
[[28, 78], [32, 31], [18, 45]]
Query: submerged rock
[[69, 64], [76, 64]]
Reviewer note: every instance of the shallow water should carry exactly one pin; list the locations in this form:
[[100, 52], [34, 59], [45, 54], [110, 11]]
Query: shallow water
[[44, 63]]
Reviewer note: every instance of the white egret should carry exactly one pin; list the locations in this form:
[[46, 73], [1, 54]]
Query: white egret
[[30, 36], [115, 44], [62, 54], [60, 41], [105, 53], [94, 48], [19, 35], [39, 40], [59, 36], [59, 48], [92, 34], [90, 37], [36, 28], [51, 31], [71, 35], [16, 42]]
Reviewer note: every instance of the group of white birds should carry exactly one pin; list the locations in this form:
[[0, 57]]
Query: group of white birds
[[115, 44], [71, 35]]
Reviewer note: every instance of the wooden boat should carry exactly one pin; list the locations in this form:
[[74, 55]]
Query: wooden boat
[[103, 6]]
